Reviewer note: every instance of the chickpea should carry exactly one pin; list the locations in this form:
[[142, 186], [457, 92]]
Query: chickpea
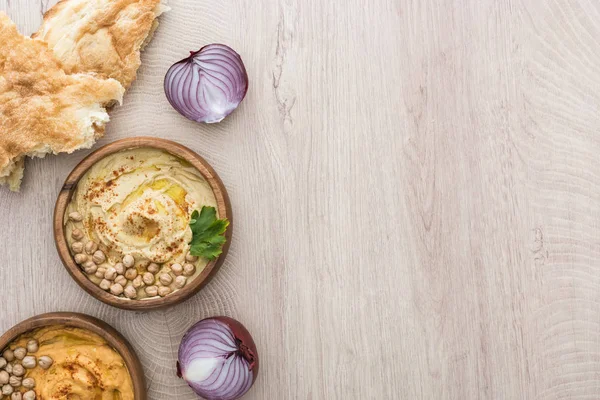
[[138, 282], [164, 291], [116, 289], [189, 270], [4, 377], [180, 282], [15, 381], [75, 217], [18, 370], [190, 258], [120, 268], [30, 395], [128, 261], [177, 269], [100, 272], [165, 279], [153, 268], [16, 396], [3, 362], [99, 257], [91, 247], [7, 390], [121, 280], [45, 362], [29, 362], [9, 368], [131, 274], [130, 292], [32, 346], [77, 247], [105, 284], [148, 278], [90, 267], [20, 353], [8, 355], [80, 258], [152, 291], [77, 234], [110, 274], [28, 383]]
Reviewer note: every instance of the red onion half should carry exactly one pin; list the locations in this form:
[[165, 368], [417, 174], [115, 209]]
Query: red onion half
[[208, 85], [218, 359]]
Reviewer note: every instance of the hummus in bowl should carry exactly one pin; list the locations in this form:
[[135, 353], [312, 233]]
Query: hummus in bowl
[[122, 222], [69, 356]]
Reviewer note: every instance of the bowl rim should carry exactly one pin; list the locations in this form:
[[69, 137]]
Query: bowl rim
[[66, 192], [83, 321]]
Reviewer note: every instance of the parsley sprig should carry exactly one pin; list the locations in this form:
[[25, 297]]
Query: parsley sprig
[[208, 233]]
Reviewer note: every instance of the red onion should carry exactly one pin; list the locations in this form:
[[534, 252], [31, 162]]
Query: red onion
[[208, 85], [218, 359]]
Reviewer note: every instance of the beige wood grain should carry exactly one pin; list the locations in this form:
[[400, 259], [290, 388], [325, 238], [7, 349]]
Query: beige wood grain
[[416, 187]]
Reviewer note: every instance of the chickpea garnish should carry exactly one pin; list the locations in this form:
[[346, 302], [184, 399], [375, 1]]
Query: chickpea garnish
[[28, 383], [116, 289], [121, 280], [177, 269], [18, 370], [130, 292], [80, 258], [30, 395], [138, 282], [45, 362], [110, 274], [164, 291], [91, 247], [148, 278], [4, 377], [165, 279], [153, 268], [75, 217], [128, 261], [152, 291], [99, 257], [190, 258], [120, 268], [180, 282], [105, 284], [32, 346], [29, 362], [189, 269], [77, 234], [77, 247], [20, 353], [131, 274]]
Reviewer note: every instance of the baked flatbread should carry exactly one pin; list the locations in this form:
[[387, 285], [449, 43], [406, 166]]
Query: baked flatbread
[[42, 109], [101, 36]]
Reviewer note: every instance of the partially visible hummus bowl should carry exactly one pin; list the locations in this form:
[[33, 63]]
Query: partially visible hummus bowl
[[69, 356], [122, 222]]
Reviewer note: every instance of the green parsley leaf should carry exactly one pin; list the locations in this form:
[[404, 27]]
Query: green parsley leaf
[[208, 233]]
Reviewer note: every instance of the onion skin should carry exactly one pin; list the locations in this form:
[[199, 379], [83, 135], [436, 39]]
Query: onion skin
[[218, 359], [208, 85]]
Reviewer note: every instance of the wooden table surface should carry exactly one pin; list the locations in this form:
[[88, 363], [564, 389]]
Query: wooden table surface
[[416, 187]]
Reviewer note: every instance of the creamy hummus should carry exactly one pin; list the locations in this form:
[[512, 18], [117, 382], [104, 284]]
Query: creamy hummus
[[85, 366], [138, 202]]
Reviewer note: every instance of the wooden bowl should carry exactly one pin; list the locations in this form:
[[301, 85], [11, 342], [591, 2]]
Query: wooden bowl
[[223, 205], [101, 328]]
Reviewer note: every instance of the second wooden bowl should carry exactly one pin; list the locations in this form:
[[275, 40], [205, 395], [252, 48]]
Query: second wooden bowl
[[86, 322], [223, 206]]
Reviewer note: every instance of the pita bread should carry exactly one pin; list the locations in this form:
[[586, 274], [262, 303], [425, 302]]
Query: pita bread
[[42, 109], [101, 36]]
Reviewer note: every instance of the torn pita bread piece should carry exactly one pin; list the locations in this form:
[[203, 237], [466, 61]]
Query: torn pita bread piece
[[101, 36], [42, 109]]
